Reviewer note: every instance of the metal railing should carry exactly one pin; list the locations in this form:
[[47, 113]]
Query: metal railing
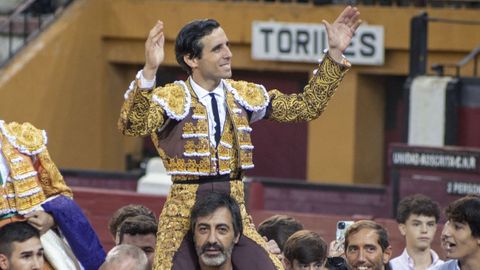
[[472, 56], [26, 21]]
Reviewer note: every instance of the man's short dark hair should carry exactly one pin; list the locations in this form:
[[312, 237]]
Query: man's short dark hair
[[306, 247], [188, 40], [417, 204], [279, 228], [15, 232], [125, 212], [208, 204], [143, 225], [368, 224], [466, 210]]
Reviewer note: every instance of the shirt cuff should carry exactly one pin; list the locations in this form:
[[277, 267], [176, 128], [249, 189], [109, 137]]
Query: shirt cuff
[[144, 83]]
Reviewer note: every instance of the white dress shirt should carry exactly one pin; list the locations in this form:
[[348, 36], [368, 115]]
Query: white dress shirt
[[4, 170], [405, 262]]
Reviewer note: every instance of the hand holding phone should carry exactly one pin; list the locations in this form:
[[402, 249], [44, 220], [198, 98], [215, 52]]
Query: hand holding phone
[[342, 227], [336, 247]]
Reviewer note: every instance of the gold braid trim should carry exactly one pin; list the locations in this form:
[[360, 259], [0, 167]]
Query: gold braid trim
[[25, 137], [22, 190], [312, 102], [174, 98], [237, 192], [173, 224], [251, 96], [50, 178], [139, 116]]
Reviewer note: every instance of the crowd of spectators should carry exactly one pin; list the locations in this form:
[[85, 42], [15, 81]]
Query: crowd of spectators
[[216, 228]]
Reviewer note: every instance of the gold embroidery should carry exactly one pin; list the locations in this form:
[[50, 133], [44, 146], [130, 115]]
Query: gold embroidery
[[26, 136], [189, 128], [203, 145], [237, 192], [50, 177], [314, 99], [204, 166], [199, 109], [23, 185], [189, 147], [139, 115], [251, 93], [202, 126], [191, 166], [174, 98], [174, 223]]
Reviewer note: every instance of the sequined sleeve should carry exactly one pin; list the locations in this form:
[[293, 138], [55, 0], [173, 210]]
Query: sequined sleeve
[[312, 102], [140, 115], [49, 176]]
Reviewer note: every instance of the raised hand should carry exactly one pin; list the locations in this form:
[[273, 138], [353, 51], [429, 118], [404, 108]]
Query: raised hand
[[341, 31], [154, 51]]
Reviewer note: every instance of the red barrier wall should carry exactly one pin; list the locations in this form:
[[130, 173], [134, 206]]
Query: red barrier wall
[[99, 205]]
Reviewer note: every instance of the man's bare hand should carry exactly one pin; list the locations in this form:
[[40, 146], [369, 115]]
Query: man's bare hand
[[154, 51], [341, 31], [41, 220], [273, 248], [336, 249]]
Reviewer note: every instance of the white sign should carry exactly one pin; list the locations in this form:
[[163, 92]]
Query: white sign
[[302, 42]]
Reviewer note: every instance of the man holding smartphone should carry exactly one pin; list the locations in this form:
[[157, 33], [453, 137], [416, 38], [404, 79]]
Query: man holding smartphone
[[366, 247], [417, 218]]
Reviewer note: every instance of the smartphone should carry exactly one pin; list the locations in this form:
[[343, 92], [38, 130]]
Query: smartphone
[[342, 227]]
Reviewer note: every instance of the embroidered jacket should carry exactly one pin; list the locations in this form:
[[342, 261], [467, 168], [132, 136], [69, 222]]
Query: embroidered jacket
[[178, 122], [33, 176]]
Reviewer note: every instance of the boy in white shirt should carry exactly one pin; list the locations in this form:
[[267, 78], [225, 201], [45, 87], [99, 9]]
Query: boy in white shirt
[[417, 218]]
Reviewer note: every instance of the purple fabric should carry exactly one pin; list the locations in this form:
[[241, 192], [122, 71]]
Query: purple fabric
[[77, 231]]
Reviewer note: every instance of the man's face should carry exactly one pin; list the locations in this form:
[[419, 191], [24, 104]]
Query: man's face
[[145, 242], [27, 255], [214, 238], [419, 231], [296, 265], [216, 60], [363, 251], [458, 241]]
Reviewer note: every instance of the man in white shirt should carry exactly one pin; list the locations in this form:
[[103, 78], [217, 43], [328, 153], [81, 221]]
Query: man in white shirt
[[201, 127], [417, 217], [461, 235]]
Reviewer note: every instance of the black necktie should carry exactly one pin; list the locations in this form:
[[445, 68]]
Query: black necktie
[[216, 117]]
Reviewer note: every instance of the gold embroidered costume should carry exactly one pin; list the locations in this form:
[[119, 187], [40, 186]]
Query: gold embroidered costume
[[178, 124], [32, 182], [33, 176]]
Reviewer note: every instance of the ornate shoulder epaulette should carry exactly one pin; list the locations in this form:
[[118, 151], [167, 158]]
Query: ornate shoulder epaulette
[[25, 137], [174, 98], [251, 96]]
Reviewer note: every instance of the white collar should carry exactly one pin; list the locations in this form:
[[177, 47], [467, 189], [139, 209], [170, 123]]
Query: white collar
[[202, 93]]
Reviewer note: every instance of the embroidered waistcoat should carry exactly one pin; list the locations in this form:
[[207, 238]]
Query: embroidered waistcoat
[[184, 145]]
